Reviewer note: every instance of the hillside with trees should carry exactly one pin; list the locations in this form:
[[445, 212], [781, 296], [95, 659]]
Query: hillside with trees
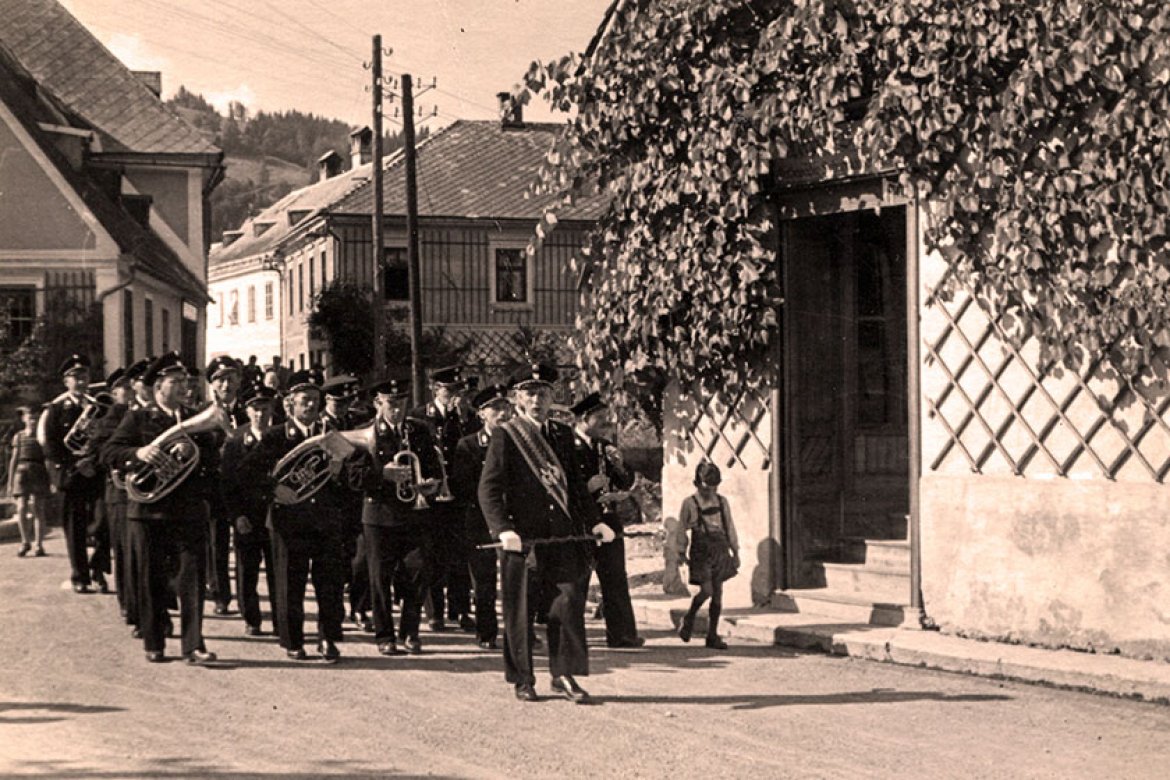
[[267, 154]]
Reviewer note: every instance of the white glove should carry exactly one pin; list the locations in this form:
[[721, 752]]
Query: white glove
[[604, 533], [511, 541]]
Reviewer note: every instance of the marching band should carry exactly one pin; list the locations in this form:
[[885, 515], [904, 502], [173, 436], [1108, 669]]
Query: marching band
[[417, 509]]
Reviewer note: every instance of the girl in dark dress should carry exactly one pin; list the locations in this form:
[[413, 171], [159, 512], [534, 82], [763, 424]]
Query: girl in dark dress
[[28, 483], [714, 550]]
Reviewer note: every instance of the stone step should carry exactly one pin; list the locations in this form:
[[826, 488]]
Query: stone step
[[873, 584], [890, 525], [887, 554], [839, 607]]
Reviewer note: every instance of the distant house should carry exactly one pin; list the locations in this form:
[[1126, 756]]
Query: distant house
[[475, 222], [103, 191]]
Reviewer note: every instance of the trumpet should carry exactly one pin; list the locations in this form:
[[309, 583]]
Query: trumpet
[[151, 483], [444, 494], [406, 472], [79, 438]]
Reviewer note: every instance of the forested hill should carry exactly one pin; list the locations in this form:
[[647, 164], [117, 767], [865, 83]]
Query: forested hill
[[267, 154]]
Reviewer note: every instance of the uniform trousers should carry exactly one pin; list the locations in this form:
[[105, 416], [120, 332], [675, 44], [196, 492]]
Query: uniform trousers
[[482, 566], [219, 545], [252, 549], [449, 589], [562, 575], [299, 551], [77, 514], [171, 552], [359, 575], [116, 522], [617, 610], [100, 560], [398, 566]]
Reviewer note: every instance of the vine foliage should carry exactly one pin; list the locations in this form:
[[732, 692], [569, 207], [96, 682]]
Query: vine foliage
[[1036, 133]]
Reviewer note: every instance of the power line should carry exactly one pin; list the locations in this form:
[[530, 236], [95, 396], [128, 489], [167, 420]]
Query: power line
[[311, 31]]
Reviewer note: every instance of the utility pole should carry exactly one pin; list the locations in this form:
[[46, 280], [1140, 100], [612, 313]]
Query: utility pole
[[378, 224], [417, 381]]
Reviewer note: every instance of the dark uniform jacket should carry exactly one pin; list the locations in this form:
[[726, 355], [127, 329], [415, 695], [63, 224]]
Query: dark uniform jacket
[[447, 428], [589, 459], [322, 512], [241, 497], [382, 507], [513, 498], [465, 472], [60, 415], [140, 427], [106, 428]]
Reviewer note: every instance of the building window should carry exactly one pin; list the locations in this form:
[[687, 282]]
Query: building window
[[395, 274], [291, 298], [166, 330], [268, 300], [511, 276], [324, 276], [301, 286], [128, 325], [18, 313], [251, 303], [222, 309], [148, 319], [234, 307]]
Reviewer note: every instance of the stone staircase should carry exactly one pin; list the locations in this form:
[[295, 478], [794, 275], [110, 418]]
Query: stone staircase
[[867, 582]]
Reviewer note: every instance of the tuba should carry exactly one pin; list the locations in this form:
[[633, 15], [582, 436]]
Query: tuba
[[149, 483], [310, 465], [79, 438]]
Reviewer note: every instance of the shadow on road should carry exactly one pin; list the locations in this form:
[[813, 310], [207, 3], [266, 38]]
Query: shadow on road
[[180, 767], [763, 701], [54, 707]]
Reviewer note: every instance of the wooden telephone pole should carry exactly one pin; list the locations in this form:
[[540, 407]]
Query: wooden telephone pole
[[417, 380], [378, 223]]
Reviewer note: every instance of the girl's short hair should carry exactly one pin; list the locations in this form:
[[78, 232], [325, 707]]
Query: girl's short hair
[[707, 474]]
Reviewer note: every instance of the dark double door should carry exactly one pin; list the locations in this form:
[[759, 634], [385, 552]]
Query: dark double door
[[844, 423]]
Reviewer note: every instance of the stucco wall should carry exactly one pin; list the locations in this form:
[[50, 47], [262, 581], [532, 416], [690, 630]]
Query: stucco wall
[[746, 476], [1071, 563], [261, 337]]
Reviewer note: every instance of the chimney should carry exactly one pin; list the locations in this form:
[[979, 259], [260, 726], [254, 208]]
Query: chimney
[[152, 79], [360, 141], [231, 236], [138, 207], [328, 165], [511, 112]]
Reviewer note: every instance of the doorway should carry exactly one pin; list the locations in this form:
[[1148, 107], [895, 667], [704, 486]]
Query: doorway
[[846, 476]]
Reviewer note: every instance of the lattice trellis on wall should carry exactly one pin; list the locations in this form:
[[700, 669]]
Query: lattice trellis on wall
[[993, 407], [733, 435]]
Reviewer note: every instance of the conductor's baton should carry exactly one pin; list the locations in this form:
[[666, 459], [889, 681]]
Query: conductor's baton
[[561, 540]]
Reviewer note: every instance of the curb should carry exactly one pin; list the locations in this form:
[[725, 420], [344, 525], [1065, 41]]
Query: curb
[[1103, 674]]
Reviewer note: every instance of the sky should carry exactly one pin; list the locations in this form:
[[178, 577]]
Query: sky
[[309, 54]]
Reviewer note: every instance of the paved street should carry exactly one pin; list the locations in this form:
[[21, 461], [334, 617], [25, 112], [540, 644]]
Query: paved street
[[78, 700]]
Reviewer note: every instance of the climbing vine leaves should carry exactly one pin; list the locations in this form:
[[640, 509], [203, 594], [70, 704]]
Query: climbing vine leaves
[[1036, 134]]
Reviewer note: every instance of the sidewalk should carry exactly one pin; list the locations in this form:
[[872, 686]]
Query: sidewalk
[[1108, 674]]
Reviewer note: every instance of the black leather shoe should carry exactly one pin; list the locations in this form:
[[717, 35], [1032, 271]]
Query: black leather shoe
[[437, 625], [413, 645], [716, 643], [296, 655], [80, 587], [488, 644], [467, 623], [155, 656], [526, 692], [628, 643], [568, 687], [221, 609], [40, 552], [329, 652], [685, 629], [201, 656], [389, 648], [136, 633], [102, 585], [251, 630], [23, 551]]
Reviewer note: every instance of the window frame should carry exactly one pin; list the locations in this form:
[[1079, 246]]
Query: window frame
[[251, 307], [386, 300], [495, 245], [269, 300], [29, 290]]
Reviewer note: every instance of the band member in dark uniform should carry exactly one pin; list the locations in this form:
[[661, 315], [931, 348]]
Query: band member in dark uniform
[[245, 505], [168, 535], [223, 379], [449, 591], [73, 473], [395, 516], [531, 492], [339, 391], [494, 410], [306, 537], [114, 499], [605, 472]]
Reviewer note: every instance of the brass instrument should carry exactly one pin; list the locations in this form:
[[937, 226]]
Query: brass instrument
[[80, 435], [151, 483], [310, 465], [406, 472], [444, 495]]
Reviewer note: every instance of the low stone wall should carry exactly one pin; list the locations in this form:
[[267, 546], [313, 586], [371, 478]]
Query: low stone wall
[[1057, 563]]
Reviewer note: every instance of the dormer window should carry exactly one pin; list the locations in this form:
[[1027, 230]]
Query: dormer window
[[298, 215], [259, 228]]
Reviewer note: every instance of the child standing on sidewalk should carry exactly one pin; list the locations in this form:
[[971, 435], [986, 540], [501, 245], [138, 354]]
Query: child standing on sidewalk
[[714, 550], [28, 483]]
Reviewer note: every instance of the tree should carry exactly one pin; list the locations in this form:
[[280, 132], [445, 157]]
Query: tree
[[1038, 132], [64, 327]]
